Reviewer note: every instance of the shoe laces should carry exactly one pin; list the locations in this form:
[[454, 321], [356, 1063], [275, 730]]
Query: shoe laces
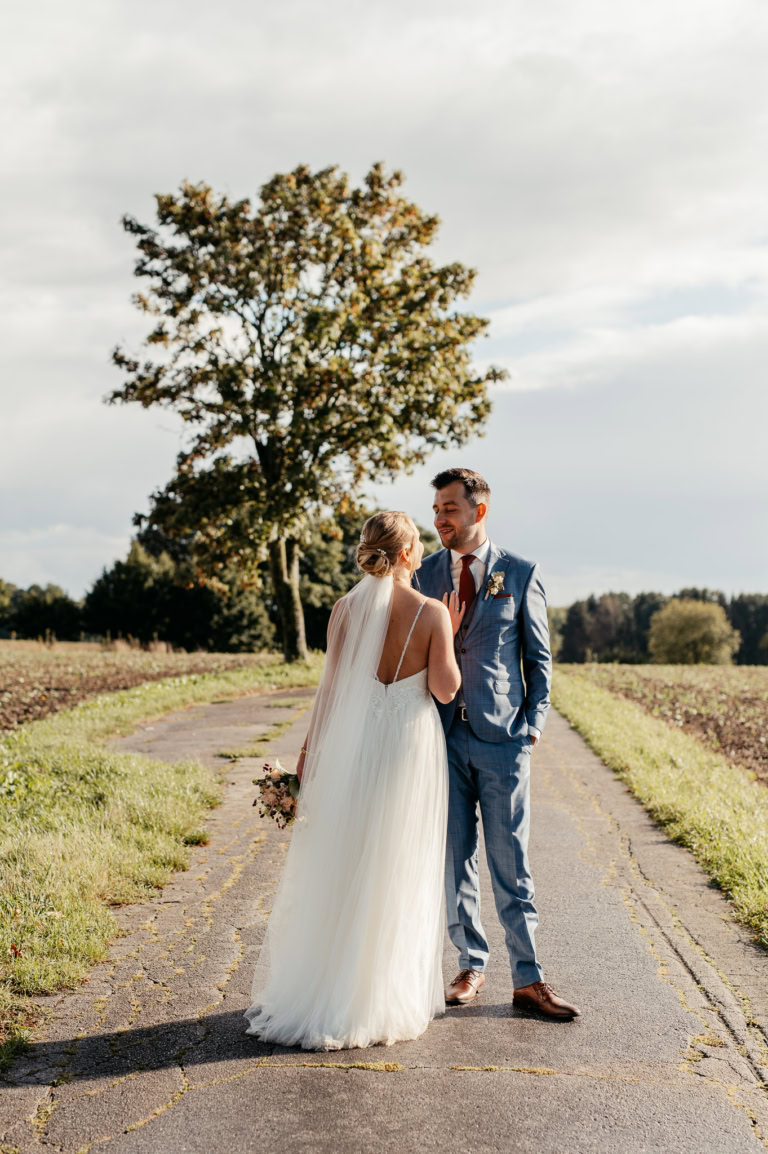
[[464, 974]]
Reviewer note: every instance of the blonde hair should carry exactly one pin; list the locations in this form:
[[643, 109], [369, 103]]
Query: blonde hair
[[382, 538]]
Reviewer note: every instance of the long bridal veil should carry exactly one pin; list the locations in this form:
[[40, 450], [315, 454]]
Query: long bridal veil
[[352, 950], [356, 634], [325, 844]]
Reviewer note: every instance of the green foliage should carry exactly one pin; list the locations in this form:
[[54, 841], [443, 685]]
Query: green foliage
[[310, 343], [748, 613], [6, 601], [556, 618], [692, 632], [151, 597], [39, 611], [702, 593], [615, 627], [643, 608], [611, 626], [6, 597]]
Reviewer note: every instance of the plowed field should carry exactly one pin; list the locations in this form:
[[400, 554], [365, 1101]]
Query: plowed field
[[36, 682], [724, 706]]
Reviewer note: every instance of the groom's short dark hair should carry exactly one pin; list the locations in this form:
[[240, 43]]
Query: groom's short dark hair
[[476, 488]]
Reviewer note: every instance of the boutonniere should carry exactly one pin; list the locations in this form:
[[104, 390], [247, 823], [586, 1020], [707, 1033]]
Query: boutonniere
[[494, 586]]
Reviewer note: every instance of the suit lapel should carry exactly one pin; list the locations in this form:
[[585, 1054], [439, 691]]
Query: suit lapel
[[436, 579], [481, 604], [444, 579]]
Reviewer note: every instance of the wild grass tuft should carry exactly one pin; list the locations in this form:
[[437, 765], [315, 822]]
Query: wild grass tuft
[[701, 799], [259, 746], [84, 828]]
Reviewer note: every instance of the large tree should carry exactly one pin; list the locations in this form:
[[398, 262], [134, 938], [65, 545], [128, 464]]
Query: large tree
[[311, 344]]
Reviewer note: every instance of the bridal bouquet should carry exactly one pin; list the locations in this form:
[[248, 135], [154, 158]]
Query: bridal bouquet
[[278, 793]]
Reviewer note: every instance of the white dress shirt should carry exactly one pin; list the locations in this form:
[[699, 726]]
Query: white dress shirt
[[477, 569]]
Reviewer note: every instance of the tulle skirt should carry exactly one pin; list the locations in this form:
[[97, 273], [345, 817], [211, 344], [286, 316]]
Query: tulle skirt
[[352, 954]]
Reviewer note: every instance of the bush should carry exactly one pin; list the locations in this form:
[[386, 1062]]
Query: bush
[[692, 632]]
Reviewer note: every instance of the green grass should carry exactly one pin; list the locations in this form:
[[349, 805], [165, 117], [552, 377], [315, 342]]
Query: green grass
[[261, 744], [84, 828], [700, 798]]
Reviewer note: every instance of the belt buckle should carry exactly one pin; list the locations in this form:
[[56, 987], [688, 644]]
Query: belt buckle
[[463, 713]]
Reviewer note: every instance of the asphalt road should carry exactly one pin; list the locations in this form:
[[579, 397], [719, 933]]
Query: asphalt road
[[150, 1055]]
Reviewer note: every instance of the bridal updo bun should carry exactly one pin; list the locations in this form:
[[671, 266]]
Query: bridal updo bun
[[383, 537]]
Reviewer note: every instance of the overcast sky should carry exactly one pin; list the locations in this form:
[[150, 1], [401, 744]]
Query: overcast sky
[[602, 164]]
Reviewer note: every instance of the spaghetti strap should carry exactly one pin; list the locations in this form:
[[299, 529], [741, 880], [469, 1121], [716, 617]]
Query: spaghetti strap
[[407, 640]]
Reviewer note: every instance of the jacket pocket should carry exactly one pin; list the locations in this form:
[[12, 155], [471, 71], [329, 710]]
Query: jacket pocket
[[506, 689], [502, 608]]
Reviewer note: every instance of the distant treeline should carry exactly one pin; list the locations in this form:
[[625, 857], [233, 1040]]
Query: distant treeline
[[141, 600], [152, 595], [155, 595], [616, 626]]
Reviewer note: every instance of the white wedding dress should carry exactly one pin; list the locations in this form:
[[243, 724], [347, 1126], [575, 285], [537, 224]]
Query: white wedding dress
[[352, 955]]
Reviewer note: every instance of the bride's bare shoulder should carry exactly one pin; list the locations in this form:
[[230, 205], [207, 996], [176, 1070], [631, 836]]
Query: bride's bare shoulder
[[434, 612], [407, 603]]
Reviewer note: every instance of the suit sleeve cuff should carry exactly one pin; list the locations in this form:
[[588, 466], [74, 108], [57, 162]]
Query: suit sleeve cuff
[[536, 720], [534, 731]]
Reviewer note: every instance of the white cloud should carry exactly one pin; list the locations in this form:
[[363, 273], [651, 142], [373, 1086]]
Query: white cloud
[[602, 165], [71, 556], [707, 344]]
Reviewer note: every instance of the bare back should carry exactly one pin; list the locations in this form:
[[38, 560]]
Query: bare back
[[405, 606]]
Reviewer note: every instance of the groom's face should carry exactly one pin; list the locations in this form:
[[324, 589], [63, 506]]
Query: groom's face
[[456, 518]]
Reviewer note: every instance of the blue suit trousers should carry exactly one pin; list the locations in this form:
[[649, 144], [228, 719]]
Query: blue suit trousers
[[494, 779]]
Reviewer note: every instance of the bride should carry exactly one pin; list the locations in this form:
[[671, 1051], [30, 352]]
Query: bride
[[352, 954]]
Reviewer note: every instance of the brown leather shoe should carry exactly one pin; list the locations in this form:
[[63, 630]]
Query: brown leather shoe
[[464, 987], [542, 999]]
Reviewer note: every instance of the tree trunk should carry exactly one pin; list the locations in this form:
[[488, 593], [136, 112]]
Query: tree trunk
[[284, 568]]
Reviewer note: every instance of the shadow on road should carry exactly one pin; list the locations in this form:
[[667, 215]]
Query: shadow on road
[[192, 1042]]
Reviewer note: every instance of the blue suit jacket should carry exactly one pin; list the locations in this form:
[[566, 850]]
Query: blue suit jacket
[[502, 648]]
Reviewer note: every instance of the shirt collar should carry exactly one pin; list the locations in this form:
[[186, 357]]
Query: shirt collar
[[481, 552]]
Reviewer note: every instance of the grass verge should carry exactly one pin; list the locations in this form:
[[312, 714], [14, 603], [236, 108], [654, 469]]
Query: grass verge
[[84, 828], [702, 800]]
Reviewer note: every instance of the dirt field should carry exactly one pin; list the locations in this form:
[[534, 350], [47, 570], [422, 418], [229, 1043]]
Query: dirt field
[[724, 706], [36, 681]]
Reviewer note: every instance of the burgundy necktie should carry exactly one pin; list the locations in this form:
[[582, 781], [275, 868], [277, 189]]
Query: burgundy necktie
[[467, 591]]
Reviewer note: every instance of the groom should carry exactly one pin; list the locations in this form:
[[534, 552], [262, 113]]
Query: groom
[[491, 727]]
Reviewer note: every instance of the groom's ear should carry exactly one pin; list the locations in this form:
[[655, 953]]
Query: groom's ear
[[481, 511]]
